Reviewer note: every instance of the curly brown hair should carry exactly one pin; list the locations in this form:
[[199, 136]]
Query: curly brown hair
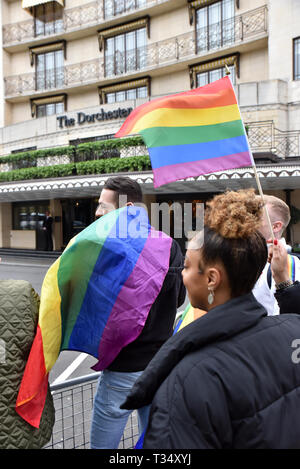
[[234, 214]]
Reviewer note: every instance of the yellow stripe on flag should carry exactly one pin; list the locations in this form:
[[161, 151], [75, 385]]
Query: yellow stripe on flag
[[50, 313], [50, 317], [168, 117]]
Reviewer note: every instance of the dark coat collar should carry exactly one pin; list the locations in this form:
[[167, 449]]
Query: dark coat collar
[[220, 323]]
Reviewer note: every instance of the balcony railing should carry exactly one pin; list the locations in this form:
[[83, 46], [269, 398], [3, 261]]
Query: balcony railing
[[87, 15], [264, 137], [166, 52], [232, 30]]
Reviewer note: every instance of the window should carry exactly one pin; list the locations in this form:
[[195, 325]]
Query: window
[[43, 110], [50, 70], [91, 139], [29, 216], [134, 89], [204, 78], [206, 72], [215, 25], [48, 19], [117, 7], [297, 58], [134, 93], [48, 106], [125, 52]]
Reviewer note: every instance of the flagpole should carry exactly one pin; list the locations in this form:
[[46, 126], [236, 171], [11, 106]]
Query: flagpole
[[255, 170]]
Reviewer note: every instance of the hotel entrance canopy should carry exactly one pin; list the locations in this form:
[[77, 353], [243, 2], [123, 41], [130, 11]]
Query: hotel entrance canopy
[[282, 176]]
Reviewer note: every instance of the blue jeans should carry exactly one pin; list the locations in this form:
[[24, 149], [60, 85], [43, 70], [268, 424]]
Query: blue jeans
[[108, 420]]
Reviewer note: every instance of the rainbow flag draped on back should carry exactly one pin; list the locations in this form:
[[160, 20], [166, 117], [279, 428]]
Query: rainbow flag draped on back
[[95, 298], [191, 133]]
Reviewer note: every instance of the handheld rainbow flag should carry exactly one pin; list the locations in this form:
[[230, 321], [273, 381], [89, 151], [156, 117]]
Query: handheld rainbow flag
[[95, 298], [192, 133]]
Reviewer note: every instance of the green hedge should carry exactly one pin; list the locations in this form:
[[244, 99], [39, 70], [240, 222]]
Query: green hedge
[[110, 165], [83, 150]]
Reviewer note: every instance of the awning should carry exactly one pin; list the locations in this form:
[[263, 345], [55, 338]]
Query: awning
[[33, 3], [33, 51], [128, 85], [121, 29]]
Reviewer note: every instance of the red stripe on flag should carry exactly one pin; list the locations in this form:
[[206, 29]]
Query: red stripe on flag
[[33, 390]]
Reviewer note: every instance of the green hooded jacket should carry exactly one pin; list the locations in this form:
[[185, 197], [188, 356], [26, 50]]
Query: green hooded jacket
[[19, 306]]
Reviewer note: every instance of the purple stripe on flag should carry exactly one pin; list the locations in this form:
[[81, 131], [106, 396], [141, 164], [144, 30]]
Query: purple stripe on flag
[[130, 311], [170, 173]]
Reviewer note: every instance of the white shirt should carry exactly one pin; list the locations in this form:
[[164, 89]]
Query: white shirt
[[264, 294]]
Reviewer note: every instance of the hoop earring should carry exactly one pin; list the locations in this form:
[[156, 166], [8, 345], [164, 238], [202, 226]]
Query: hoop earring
[[211, 296]]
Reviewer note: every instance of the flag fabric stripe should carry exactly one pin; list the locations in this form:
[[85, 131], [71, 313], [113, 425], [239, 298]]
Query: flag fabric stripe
[[213, 92], [158, 137], [82, 249], [177, 154], [38, 359], [187, 117], [102, 288], [189, 315], [132, 304], [166, 174], [102, 271], [292, 267], [49, 315]]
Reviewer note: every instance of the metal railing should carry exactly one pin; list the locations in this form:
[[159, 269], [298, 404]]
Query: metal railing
[[73, 401], [84, 16], [167, 52], [265, 137]]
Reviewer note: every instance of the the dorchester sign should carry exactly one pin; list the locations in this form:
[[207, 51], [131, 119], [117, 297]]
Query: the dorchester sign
[[82, 117]]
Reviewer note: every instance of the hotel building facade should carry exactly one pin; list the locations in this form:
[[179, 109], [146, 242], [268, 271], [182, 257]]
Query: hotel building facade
[[71, 71]]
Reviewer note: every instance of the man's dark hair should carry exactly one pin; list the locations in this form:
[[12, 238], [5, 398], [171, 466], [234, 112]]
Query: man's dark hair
[[124, 186]]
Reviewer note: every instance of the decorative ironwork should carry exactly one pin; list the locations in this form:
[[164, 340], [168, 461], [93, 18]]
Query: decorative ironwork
[[168, 51], [265, 137], [87, 15], [232, 30]]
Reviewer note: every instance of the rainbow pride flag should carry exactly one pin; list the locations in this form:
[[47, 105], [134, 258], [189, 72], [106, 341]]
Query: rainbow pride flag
[[189, 315], [95, 298], [191, 133], [292, 267]]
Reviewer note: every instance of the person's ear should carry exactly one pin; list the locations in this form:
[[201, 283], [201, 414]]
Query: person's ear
[[129, 204], [214, 277], [277, 226]]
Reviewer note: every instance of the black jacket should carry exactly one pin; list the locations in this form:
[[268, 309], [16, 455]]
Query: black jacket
[[159, 324], [47, 223], [227, 380]]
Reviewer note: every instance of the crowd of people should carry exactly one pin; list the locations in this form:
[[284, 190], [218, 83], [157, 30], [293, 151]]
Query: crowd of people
[[227, 380]]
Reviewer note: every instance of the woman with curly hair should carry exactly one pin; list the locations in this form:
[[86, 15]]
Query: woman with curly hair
[[231, 378]]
